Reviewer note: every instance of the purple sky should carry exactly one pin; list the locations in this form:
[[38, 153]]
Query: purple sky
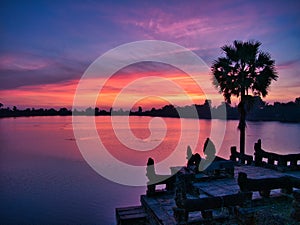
[[45, 46]]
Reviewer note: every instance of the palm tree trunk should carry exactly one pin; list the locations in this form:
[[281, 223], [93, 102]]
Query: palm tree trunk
[[242, 134], [242, 122]]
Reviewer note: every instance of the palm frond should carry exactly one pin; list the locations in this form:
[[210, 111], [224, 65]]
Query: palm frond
[[243, 65]]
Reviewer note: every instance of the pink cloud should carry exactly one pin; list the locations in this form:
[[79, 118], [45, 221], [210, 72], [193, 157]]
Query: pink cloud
[[291, 64], [22, 62], [205, 25]]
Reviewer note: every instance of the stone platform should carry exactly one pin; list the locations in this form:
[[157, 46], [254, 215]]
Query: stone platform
[[160, 207]]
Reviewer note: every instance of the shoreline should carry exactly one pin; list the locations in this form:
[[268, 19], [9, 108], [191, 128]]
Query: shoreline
[[199, 118]]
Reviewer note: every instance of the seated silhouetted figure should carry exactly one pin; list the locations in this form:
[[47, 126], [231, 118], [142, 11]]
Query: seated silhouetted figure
[[209, 150], [193, 160], [150, 170], [214, 165], [189, 155]]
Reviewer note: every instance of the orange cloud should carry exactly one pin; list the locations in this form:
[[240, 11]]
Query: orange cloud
[[149, 88], [48, 95]]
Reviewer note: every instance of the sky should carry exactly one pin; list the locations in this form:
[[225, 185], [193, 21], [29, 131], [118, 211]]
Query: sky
[[46, 46]]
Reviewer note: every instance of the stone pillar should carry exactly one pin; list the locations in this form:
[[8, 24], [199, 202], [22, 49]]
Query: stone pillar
[[246, 213], [281, 164], [233, 153], [150, 190], [296, 206], [246, 216], [207, 214], [180, 214]]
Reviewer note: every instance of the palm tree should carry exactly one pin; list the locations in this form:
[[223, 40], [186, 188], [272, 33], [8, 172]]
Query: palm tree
[[243, 68]]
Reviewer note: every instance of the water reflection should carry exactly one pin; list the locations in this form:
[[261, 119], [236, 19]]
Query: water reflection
[[44, 178]]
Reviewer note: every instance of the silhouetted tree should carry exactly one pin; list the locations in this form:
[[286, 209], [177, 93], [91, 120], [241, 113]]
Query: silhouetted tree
[[64, 111], [96, 111], [140, 110], [243, 68], [90, 111]]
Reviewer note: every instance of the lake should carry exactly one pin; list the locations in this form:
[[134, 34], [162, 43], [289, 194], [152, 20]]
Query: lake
[[45, 180]]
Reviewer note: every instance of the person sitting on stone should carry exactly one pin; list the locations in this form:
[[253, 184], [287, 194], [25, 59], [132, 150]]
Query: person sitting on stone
[[193, 160], [209, 150]]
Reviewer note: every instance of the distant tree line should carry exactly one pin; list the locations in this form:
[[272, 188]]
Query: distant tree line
[[15, 112], [258, 111]]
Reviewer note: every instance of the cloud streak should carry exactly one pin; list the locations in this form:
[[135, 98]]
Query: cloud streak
[[17, 70]]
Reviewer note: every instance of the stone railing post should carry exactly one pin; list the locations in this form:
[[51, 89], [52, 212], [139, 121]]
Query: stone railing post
[[258, 153], [270, 160], [233, 154], [150, 173], [294, 164]]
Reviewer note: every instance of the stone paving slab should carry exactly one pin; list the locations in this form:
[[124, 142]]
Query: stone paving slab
[[257, 172], [160, 207], [221, 187]]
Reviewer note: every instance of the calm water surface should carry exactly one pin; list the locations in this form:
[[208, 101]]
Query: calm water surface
[[45, 180]]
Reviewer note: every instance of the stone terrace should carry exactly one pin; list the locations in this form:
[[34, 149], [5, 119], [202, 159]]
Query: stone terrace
[[160, 207]]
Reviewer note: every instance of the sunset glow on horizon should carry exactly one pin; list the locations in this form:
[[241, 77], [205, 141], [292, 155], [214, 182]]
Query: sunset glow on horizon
[[152, 85], [45, 49]]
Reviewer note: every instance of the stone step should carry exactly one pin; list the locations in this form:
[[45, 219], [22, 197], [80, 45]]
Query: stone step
[[131, 215]]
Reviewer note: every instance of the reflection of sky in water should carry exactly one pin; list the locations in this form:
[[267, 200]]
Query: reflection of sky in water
[[44, 178]]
